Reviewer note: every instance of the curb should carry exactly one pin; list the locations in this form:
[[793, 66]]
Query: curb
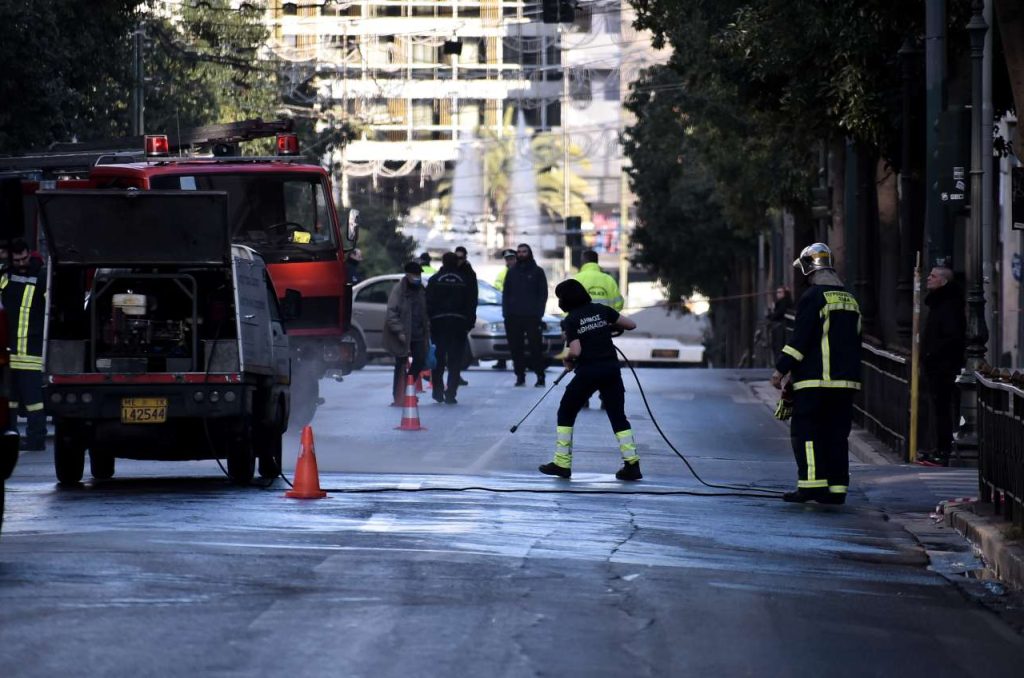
[[1006, 558]]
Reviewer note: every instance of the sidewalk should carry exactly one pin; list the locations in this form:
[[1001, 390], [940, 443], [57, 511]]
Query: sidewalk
[[904, 490]]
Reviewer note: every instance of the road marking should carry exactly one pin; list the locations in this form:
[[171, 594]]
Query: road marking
[[321, 547]]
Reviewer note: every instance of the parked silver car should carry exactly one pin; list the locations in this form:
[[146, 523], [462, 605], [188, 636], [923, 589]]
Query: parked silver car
[[487, 341]]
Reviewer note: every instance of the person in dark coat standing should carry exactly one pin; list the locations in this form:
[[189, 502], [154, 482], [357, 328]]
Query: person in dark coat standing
[[942, 352], [354, 267], [407, 327], [777, 318], [467, 269], [451, 306], [522, 303]]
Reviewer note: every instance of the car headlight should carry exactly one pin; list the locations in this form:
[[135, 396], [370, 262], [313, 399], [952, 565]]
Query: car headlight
[[496, 328]]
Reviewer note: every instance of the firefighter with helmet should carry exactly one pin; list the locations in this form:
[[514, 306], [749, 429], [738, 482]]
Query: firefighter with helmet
[[22, 291], [822, 363]]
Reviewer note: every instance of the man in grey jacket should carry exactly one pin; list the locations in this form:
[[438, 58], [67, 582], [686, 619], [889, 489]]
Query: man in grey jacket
[[406, 326]]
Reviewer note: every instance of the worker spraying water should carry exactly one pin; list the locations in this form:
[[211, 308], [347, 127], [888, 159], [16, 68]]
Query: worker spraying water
[[591, 355]]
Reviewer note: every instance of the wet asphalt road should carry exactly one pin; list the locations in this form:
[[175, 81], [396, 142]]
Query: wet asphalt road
[[168, 570]]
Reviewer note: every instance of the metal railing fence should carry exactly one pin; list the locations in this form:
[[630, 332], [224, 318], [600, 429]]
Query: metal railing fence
[[1001, 447]]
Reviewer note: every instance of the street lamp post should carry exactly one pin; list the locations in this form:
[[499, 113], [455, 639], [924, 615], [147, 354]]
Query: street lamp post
[[977, 331]]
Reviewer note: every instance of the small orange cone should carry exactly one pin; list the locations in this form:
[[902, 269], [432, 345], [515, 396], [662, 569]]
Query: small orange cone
[[410, 408], [307, 478], [425, 376]]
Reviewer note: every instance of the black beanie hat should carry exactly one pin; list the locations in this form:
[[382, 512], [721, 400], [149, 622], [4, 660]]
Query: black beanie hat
[[571, 295]]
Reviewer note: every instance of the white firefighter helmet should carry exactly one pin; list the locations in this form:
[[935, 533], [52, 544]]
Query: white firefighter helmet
[[813, 258]]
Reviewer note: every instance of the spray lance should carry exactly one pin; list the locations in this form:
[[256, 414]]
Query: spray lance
[[553, 385]]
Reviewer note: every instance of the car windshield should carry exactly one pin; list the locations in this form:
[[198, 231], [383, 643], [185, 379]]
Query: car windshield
[[280, 215], [489, 295]]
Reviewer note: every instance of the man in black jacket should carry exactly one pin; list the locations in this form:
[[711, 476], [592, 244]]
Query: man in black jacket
[[522, 303], [822, 359], [942, 350], [451, 306]]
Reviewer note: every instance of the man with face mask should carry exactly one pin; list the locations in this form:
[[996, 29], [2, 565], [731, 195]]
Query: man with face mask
[[22, 290], [588, 328], [522, 305], [406, 326]]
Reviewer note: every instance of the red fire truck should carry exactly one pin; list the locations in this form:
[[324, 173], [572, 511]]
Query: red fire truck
[[280, 206]]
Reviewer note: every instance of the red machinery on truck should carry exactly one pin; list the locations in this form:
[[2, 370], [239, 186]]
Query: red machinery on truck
[[280, 206]]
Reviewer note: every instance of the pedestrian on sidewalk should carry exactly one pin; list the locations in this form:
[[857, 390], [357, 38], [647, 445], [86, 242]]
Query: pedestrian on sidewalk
[[822, 360], [354, 266], [777, 318], [588, 330], [522, 305], [451, 306], [406, 327], [942, 352], [499, 282]]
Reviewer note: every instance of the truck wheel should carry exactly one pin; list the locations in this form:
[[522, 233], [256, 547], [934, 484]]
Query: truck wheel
[[68, 454], [360, 359], [269, 446], [241, 460], [101, 464]]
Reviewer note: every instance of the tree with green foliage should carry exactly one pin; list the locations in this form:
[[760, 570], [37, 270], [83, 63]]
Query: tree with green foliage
[[385, 249], [66, 70], [204, 66]]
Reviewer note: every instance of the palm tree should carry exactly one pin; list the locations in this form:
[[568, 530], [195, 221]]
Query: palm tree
[[545, 150]]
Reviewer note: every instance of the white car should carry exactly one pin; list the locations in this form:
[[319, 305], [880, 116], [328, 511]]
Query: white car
[[486, 341], [652, 351]]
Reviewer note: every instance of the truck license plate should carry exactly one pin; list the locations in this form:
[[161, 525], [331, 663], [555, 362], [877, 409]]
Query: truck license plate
[[143, 410]]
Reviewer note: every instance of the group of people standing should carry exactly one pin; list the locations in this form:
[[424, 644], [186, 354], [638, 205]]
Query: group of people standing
[[441, 312]]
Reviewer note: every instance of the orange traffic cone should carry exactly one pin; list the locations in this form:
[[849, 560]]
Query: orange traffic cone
[[410, 409], [307, 478], [425, 376]]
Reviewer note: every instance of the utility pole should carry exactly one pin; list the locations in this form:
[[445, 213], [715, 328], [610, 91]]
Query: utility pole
[[977, 331], [138, 100], [567, 251], [936, 218], [624, 234]]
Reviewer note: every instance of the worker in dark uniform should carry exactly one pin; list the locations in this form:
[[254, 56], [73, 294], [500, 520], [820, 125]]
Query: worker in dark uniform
[[822, 359], [588, 330], [22, 290]]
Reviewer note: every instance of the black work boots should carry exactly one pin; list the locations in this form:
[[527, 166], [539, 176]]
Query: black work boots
[[630, 471], [820, 495], [553, 469]]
